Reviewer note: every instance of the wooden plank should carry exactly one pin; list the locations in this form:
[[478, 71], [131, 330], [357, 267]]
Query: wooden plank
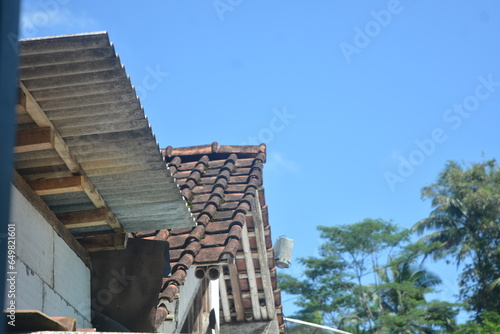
[[34, 320], [252, 282], [224, 299], [68, 322], [34, 140], [50, 217], [23, 119], [57, 186], [104, 242], [85, 218], [264, 264], [237, 299]]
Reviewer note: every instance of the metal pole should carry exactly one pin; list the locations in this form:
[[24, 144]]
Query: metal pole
[[316, 325]]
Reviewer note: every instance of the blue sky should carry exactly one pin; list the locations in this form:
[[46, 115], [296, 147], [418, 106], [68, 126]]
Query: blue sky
[[360, 103]]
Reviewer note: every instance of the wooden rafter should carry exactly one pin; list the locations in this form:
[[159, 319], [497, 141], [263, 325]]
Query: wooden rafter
[[86, 218], [57, 186], [38, 115], [34, 140], [104, 242], [78, 182]]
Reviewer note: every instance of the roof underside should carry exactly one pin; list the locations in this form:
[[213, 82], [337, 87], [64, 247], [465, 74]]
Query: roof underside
[[82, 88]]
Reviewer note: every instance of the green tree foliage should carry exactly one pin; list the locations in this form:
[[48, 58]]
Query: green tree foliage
[[360, 283], [464, 226], [489, 323], [403, 305]]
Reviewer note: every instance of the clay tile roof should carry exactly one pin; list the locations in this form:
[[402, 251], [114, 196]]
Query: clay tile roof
[[221, 185]]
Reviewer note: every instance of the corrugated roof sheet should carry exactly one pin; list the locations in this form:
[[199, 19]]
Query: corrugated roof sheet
[[80, 84]]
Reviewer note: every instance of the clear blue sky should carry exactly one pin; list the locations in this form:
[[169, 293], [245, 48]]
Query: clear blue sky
[[360, 103]]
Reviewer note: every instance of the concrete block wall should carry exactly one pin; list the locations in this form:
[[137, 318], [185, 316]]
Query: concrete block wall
[[50, 277]]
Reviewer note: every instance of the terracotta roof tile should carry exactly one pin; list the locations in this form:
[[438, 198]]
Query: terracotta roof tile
[[209, 255], [219, 183]]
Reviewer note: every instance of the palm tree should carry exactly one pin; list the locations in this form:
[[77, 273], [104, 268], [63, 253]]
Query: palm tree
[[402, 304], [402, 282], [465, 224]]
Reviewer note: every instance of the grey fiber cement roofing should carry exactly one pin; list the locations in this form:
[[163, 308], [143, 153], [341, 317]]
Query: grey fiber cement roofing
[[81, 86]]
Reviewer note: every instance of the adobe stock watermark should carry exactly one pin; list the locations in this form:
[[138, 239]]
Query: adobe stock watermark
[[150, 81], [281, 119], [373, 28], [115, 286], [223, 6], [453, 116], [47, 10]]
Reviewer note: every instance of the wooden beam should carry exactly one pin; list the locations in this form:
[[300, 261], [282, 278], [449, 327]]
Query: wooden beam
[[252, 282], [34, 140], [98, 201], [21, 102], [39, 117], [57, 186], [104, 242], [264, 264], [237, 299], [85, 218]]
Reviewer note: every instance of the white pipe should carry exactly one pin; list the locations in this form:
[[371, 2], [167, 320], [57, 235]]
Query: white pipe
[[316, 325]]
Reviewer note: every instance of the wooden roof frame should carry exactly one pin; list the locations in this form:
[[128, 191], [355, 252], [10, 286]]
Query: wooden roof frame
[[46, 136]]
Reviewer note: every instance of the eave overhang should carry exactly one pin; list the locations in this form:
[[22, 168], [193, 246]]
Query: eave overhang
[[85, 146]]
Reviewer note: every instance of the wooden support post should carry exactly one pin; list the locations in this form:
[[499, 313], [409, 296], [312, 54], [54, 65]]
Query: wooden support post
[[34, 140]]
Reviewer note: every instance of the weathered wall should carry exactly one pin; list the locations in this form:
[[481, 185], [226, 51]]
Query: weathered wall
[[49, 277]]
